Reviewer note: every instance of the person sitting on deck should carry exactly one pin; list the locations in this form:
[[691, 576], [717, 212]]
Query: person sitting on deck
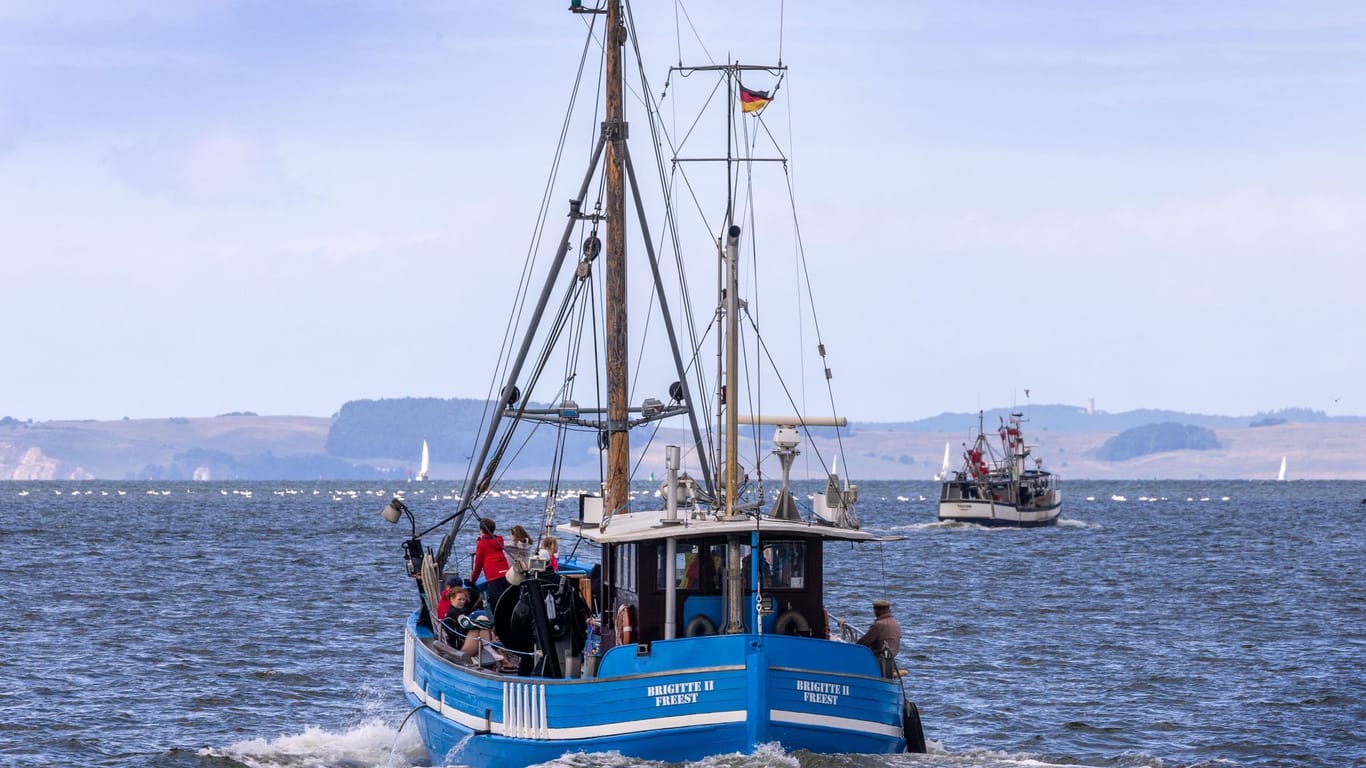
[[478, 646], [455, 602], [550, 551]]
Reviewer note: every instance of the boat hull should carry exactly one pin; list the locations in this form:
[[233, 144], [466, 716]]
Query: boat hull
[[671, 700], [998, 514]]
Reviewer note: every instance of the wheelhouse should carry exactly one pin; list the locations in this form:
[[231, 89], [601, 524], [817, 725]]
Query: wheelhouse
[[712, 576]]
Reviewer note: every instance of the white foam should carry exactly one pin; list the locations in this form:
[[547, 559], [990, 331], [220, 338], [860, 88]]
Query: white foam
[[764, 756], [596, 760], [991, 757], [371, 743]]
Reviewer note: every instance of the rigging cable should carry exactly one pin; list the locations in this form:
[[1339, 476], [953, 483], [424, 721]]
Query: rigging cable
[[815, 448], [519, 302], [701, 407], [800, 246], [557, 327], [755, 393]]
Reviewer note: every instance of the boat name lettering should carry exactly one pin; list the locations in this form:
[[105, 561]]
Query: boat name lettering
[[678, 693], [818, 687], [816, 692]]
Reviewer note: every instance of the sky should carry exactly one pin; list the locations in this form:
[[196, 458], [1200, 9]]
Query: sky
[[213, 206]]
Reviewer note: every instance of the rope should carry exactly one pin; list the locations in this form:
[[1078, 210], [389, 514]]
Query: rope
[[671, 184], [393, 748], [431, 591]]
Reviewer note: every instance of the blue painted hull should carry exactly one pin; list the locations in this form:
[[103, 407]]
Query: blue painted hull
[[672, 700]]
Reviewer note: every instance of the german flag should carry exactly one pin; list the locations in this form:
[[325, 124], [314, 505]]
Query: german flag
[[753, 101]]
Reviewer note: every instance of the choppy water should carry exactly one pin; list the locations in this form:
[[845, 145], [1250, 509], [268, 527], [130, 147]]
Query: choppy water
[[217, 625]]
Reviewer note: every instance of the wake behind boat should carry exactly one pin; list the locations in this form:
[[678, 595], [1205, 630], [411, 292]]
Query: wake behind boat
[[699, 627], [1001, 489]]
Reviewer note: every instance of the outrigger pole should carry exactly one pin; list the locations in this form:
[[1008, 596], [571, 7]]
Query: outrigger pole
[[472, 481], [613, 142]]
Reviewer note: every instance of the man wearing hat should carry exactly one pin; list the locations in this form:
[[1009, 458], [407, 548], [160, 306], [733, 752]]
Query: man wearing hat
[[883, 637]]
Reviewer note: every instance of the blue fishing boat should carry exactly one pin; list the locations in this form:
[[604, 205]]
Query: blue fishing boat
[[685, 620]]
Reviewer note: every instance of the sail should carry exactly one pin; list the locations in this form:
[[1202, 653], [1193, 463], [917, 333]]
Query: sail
[[426, 462], [1281, 474], [944, 467]]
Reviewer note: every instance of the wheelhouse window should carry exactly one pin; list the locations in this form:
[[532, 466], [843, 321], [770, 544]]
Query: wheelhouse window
[[624, 566], [782, 565], [700, 566], [697, 566]]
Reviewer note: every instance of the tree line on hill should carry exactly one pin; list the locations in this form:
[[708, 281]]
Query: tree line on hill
[[396, 428], [1157, 438], [382, 439], [1070, 418], [200, 463], [452, 428]]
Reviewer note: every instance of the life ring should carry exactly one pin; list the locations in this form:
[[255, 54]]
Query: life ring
[[911, 729], [626, 624], [699, 626], [791, 622]]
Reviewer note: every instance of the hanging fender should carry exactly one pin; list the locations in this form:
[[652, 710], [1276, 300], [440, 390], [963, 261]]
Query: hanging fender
[[699, 626], [792, 622], [911, 729], [626, 624]]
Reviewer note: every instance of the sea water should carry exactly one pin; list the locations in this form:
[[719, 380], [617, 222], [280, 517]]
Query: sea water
[[259, 624]]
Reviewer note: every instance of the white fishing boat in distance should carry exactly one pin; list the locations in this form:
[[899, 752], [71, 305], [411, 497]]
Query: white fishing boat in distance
[[1001, 489]]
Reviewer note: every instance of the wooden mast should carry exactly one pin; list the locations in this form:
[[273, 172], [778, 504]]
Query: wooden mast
[[616, 493], [732, 309]]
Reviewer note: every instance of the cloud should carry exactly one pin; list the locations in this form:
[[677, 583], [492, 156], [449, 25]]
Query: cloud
[[221, 166]]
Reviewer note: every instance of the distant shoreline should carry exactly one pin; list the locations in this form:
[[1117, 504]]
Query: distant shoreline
[[295, 447]]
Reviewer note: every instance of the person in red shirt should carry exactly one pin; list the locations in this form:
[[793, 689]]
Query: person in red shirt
[[443, 604], [490, 560]]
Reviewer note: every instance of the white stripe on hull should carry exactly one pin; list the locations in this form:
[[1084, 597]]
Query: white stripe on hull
[[525, 717], [524, 714], [829, 721]]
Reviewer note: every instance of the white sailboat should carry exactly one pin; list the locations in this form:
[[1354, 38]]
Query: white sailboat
[[426, 463], [1281, 475], [944, 467]]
